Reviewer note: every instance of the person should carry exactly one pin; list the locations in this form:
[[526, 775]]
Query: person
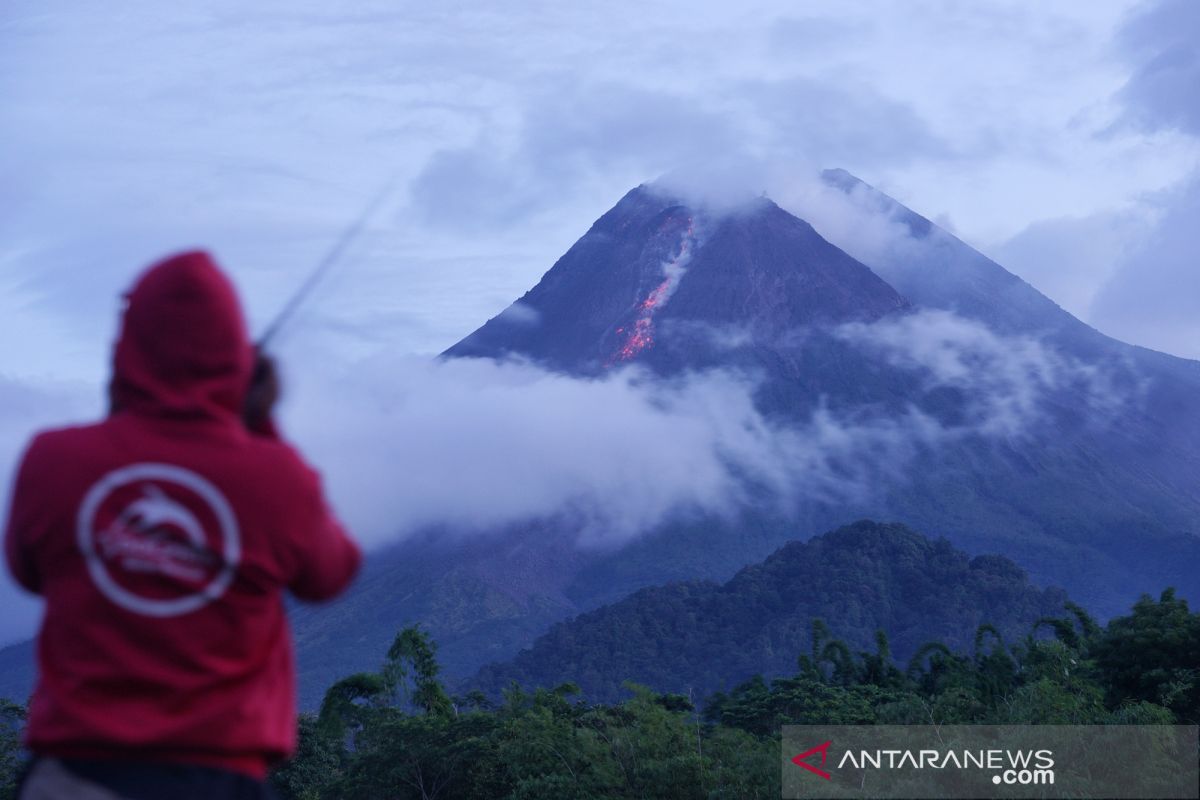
[[163, 539]]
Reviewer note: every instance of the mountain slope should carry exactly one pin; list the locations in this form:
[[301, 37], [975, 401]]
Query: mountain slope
[[1094, 487], [937, 270], [652, 262], [700, 637], [1109, 452]]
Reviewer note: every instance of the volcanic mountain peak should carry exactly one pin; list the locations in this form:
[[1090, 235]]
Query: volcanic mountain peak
[[655, 263], [918, 226], [935, 269]]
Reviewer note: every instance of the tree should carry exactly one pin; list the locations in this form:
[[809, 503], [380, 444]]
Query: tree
[[12, 720], [1153, 655], [395, 733], [316, 765], [411, 671], [345, 709]]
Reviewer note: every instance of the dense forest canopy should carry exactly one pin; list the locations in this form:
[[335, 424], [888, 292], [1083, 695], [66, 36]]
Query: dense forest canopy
[[398, 733]]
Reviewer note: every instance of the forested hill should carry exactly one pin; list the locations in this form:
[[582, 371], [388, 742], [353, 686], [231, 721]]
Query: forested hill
[[703, 637]]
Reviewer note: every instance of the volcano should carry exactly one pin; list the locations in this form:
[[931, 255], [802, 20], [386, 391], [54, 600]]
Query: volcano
[[652, 269], [1073, 454], [1097, 492]]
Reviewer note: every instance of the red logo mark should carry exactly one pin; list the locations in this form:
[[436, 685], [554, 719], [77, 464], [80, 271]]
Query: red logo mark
[[823, 749]]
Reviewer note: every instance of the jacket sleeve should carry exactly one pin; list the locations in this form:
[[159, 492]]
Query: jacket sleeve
[[324, 558], [23, 521]]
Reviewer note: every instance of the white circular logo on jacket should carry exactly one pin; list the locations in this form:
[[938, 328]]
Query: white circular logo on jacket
[[158, 539]]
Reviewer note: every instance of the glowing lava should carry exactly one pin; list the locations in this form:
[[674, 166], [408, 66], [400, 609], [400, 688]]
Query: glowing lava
[[640, 335]]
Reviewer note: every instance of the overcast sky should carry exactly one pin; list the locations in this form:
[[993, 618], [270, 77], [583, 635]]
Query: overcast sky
[[1061, 138]]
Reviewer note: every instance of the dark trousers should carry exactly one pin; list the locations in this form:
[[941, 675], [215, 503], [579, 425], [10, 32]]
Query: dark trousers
[[70, 779]]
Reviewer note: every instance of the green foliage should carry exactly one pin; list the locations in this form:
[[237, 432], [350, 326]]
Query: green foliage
[[1153, 655], [397, 734], [345, 705], [411, 671], [375, 741], [316, 765], [12, 717]]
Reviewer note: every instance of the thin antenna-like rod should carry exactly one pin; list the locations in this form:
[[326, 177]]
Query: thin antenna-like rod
[[332, 257]]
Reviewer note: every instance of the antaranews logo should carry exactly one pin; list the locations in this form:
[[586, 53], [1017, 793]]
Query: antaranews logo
[[961, 761], [1011, 767], [802, 760], [1022, 767]]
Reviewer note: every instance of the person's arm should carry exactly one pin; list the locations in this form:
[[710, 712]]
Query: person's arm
[[22, 520], [322, 558], [326, 559]]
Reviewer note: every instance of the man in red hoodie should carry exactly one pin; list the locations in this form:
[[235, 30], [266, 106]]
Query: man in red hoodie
[[162, 540]]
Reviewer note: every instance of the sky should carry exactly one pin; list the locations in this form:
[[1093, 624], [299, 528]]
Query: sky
[[1062, 139]]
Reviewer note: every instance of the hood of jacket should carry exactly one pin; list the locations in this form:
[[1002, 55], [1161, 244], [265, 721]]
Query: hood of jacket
[[182, 350]]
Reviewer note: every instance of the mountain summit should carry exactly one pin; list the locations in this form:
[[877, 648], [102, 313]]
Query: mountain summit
[[655, 277]]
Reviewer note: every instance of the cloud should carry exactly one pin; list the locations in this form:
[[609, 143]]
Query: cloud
[[858, 220], [1008, 383], [834, 124], [473, 445], [790, 36], [568, 135], [1162, 42], [470, 446], [1153, 295], [1131, 271], [1069, 259], [261, 130], [571, 135]]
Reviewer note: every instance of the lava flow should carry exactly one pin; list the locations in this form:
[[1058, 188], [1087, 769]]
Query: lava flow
[[640, 335]]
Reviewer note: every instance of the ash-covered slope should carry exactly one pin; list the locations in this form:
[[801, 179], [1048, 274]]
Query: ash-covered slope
[[699, 637]]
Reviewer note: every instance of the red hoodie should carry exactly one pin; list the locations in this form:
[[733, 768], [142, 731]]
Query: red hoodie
[[162, 539]]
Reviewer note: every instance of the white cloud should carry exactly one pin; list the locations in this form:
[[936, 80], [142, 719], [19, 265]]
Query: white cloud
[[1071, 258], [473, 445], [1009, 383], [259, 131], [1152, 297], [1163, 43]]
